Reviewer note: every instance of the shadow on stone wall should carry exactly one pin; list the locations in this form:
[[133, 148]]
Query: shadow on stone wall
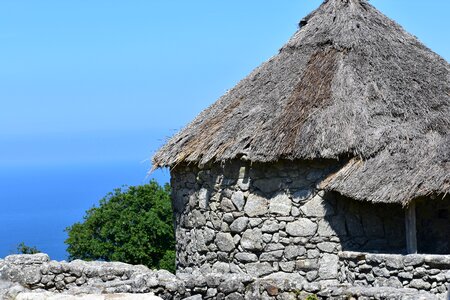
[[433, 225], [363, 226]]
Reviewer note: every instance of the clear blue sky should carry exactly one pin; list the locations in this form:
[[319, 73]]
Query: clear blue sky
[[89, 89], [82, 81]]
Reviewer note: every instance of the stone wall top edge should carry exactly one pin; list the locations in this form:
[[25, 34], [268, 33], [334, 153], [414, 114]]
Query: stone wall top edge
[[364, 255]]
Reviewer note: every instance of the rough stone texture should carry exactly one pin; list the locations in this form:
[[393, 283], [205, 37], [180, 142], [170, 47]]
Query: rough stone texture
[[418, 271], [103, 281], [279, 208]]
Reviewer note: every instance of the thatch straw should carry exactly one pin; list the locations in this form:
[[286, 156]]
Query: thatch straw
[[351, 83]]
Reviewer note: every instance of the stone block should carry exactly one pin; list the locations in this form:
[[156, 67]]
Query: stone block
[[329, 265], [238, 199], [303, 227], [280, 205], [227, 205], [224, 242], [419, 284], [327, 247], [256, 206], [239, 225], [287, 266], [317, 207], [271, 256], [270, 226], [258, 269], [246, 257], [294, 251], [306, 265], [252, 240]]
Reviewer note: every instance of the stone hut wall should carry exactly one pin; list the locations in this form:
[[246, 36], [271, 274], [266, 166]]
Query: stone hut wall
[[264, 218]]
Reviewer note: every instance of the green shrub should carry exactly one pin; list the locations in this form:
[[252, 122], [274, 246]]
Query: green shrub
[[132, 225]]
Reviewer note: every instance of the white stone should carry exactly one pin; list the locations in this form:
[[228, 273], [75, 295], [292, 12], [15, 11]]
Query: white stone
[[280, 205]]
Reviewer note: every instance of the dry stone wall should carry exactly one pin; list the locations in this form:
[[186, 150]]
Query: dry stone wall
[[42, 279], [265, 218], [418, 271]]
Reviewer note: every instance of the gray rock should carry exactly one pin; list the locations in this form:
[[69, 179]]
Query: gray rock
[[274, 247], [292, 252], [246, 257], [327, 247], [325, 229], [230, 285], [302, 195], [256, 206], [270, 226], [419, 284], [203, 198], [252, 239], [254, 222], [239, 224], [317, 207], [197, 218], [438, 261], [271, 256], [287, 266], [227, 205], [234, 296], [280, 205], [224, 242], [302, 227], [381, 272], [329, 265], [221, 267], [194, 297], [313, 253], [238, 199], [413, 260], [258, 269], [306, 265], [228, 217], [27, 259]]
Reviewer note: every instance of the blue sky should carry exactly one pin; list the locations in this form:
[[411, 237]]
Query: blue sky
[[89, 89], [82, 80]]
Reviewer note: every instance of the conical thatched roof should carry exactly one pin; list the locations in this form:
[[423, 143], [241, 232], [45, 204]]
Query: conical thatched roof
[[352, 85]]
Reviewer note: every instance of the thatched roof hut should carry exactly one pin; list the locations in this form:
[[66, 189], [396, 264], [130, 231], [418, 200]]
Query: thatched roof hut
[[351, 85]]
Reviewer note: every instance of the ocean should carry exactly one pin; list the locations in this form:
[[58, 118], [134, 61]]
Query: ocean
[[39, 202]]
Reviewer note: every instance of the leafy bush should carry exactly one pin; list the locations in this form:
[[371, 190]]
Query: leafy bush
[[24, 249], [132, 225]]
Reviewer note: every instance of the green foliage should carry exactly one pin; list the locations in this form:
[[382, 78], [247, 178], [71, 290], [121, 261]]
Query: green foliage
[[24, 249], [312, 297], [132, 225]]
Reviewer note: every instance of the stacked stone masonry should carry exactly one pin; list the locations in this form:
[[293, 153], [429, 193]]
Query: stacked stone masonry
[[38, 274], [264, 218], [422, 272]]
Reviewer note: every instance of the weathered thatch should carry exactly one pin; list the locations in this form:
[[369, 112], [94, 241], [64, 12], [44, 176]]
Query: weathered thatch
[[351, 83]]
